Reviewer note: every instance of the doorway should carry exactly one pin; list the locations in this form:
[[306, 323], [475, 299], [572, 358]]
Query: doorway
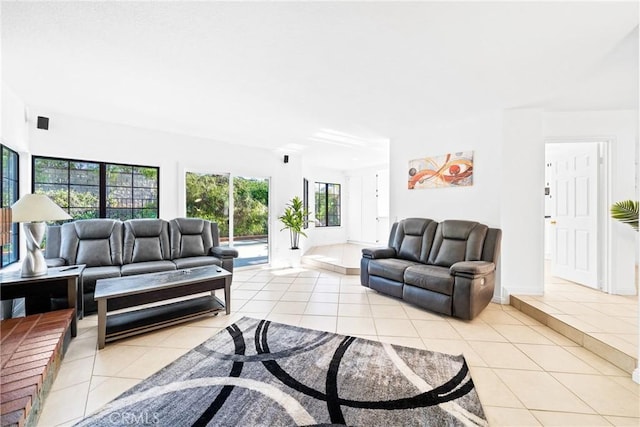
[[240, 207], [575, 213]]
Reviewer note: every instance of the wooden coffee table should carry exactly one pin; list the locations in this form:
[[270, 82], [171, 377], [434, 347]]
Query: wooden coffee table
[[132, 291]]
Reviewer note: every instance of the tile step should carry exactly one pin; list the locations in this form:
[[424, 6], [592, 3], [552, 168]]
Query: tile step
[[349, 271], [618, 357]]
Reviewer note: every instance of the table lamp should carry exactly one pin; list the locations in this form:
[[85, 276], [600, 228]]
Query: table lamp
[[33, 210]]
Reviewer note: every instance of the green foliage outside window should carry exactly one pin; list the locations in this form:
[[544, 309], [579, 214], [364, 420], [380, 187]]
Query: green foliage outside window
[[207, 197], [327, 204], [251, 207], [130, 191], [208, 194]]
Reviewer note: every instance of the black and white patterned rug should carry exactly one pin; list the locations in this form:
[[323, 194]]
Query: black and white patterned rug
[[262, 373]]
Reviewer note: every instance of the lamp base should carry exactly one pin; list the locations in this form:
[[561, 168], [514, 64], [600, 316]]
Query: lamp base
[[34, 263]]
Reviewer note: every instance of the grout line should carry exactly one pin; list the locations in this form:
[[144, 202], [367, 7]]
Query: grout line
[[620, 359]]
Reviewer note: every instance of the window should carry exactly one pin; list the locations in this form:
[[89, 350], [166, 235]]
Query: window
[[240, 207], [8, 196], [327, 204], [97, 189], [305, 200], [132, 192]]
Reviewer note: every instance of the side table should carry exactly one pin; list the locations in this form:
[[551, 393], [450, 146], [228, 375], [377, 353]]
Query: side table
[[58, 282]]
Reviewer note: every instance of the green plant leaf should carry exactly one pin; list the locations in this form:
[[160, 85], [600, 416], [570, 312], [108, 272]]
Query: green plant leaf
[[626, 211], [293, 219]]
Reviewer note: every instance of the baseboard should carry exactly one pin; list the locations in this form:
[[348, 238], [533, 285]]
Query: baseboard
[[500, 299]]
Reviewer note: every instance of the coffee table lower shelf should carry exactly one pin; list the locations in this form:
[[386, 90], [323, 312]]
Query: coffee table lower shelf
[[129, 323]]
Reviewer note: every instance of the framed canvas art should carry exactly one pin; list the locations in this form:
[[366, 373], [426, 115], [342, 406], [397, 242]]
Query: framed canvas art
[[447, 170]]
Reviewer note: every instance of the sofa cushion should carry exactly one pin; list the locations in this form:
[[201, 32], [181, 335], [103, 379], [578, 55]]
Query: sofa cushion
[[190, 237], [197, 261], [93, 253], [191, 246], [146, 240], [147, 267], [457, 241], [146, 249], [91, 274], [389, 268], [430, 277], [413, 238], [94, 242]]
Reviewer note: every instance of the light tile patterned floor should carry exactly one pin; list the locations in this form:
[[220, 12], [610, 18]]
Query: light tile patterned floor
[[525, 373], [610, 318]]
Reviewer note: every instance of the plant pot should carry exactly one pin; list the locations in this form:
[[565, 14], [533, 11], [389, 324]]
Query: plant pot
[[295, 257]]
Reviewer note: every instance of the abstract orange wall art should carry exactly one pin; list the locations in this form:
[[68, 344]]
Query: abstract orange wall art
[[447, 170]]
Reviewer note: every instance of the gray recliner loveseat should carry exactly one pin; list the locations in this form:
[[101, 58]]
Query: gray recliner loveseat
[[111, 248], [447, 267]]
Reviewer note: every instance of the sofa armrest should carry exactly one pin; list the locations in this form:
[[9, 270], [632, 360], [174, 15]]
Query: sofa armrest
[[375, 253], [223, 252], [55, 262], [472, 269]]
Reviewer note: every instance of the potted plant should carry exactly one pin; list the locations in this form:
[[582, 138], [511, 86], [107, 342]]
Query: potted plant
[[626, 211], [293, 219]]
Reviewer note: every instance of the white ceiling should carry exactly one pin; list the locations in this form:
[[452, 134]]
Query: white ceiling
[[297, 76]]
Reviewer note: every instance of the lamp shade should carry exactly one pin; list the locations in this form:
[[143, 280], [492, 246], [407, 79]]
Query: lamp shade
[[35, 208]]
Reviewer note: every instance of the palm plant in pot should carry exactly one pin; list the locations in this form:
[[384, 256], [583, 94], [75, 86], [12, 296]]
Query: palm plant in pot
[[293, 220], [626, 211]]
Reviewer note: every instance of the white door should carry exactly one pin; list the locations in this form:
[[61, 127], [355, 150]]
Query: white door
[[574, 218]]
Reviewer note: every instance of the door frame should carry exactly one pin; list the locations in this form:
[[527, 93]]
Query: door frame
[[605, 283], [182, 203]]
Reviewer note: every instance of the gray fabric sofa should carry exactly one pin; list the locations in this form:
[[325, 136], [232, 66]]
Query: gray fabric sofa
[[112, 248], [447, 267]]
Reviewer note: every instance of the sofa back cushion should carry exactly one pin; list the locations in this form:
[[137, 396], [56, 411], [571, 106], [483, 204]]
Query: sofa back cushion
[[146, 240], [190, 237], [456, 241], [94, 242], [413, 238], [52, 241]]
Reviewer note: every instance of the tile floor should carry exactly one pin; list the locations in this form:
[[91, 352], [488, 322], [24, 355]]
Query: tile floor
[[525, 373], [605, 324], [340, 258]]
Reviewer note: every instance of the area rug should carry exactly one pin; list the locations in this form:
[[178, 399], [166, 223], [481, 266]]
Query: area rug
[[263, 373]]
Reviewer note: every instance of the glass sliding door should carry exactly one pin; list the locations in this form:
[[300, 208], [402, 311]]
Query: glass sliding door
[[208, 198], [251, 220], [240, 207]]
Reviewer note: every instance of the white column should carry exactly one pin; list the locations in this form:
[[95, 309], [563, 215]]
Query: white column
[[522, 203]]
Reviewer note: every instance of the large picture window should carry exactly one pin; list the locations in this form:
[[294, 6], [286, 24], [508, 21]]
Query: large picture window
[[327, 204], [98, 190], [8, 196]]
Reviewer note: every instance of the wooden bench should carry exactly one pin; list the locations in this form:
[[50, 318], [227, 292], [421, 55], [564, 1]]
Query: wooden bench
[[32, 349]]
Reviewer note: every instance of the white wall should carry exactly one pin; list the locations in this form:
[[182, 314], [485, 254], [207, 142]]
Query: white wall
[[13, 133], [480, 202], [13, 130], [522, 203], [79, 138], [508, 189], [324, 235], [621, 127]]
